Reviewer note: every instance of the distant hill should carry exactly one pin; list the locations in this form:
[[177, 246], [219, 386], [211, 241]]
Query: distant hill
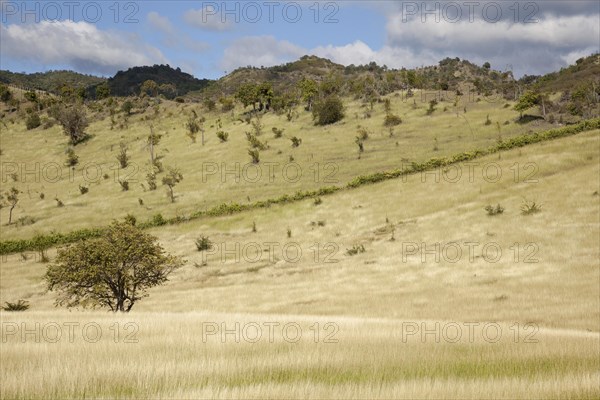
[[126, 83], [49, 81], [371, 79]]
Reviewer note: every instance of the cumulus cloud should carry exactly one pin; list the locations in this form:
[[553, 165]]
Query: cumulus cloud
[[160, 23], [532, 48], [259, 50], [173, 38], [207, 19], [80, 45]]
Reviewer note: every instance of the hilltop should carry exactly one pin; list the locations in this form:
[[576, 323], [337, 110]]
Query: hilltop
[[50, 81], [127, 83]]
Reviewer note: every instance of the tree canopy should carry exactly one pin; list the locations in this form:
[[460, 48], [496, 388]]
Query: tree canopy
[[114, 271]]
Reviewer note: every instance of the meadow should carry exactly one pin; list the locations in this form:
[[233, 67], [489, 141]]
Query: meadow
[[363, 274]]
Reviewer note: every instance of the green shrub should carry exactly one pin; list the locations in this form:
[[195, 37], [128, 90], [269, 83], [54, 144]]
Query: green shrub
[[25, 220], [203, 243], [72, 158], [223, 136], [33, 121], [392, 120], [491, 210], [20, 305], [328, 111], [530, 207], [254, 142], [123, 157], [356, 249], [130, 219], [255, 155], [158, 220]]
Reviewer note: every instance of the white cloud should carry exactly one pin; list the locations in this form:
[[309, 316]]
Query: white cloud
[[526, 48], [78, 44], [535, 48], [207, 19], [173, 38], [259, 50], [160, 23]]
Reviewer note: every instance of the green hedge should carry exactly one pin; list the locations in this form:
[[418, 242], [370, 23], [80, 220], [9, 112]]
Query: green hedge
[[57, 239]]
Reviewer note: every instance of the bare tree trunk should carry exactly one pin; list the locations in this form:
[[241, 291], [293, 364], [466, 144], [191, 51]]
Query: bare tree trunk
[[543, 108], [10, 214]]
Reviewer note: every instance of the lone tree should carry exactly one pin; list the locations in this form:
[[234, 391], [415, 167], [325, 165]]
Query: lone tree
[[328, 111], [74, 122], [150, 88], [102, 91], [170, 180], [247, 94], [309, 89], [10, 200], [112, 272], [528, 100]]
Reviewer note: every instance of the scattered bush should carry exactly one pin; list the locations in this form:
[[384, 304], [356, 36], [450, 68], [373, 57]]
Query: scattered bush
[[33, 121], [123, 158], [356, 249], [124, 185], [328, 111], [127, 107], [254, 142], [25, 220], [20, 305], [255, 155], [203, 243], [72, 158], [363, 134], [223, 136], [392, 120], [432, 108], [530, 207], [158, 220], [296, 141], [83, 189], [278, 132], [151, 179], [130, 219], [491, 210]]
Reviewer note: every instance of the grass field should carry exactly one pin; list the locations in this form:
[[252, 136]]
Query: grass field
[[217, 172], [542, 289]]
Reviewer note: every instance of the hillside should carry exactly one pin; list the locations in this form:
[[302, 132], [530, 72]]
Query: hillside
[[127, 83], [362, 303], [450, 74], [429, 239], [50, 81]]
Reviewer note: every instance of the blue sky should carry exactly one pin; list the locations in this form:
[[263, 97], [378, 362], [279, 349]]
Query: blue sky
[[208, 38]]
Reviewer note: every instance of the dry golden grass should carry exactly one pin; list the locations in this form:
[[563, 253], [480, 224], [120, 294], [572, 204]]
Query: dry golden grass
[[327, 156], [168, 357], [372, 297]]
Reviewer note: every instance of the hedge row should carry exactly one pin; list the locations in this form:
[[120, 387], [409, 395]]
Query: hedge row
[[504, 145], [56, 239]]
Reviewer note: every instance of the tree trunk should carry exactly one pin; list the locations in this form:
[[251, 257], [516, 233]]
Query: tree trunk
[[10, 214]]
